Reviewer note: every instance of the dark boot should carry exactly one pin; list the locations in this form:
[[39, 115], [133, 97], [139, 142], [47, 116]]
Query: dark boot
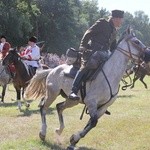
[[77, 83]]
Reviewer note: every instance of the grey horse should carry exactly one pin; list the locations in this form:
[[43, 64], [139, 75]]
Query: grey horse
[[100, 92], [4, 80]]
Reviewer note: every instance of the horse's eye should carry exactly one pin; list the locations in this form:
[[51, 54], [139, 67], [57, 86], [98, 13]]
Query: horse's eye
[[137, 42]]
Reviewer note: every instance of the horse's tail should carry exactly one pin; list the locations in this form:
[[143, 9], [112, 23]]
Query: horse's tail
[[37, 86]]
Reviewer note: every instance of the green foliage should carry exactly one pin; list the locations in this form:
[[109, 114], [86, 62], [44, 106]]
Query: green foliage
[[60, 23]]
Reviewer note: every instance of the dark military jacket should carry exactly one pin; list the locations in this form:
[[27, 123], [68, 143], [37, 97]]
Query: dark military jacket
[[100, 36]]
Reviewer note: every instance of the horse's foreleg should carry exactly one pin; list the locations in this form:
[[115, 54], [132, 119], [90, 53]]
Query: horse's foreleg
[[44, 105], [141, 79], [60, 108], [3, 92], [18, 91], [91, 124], [134, 80]]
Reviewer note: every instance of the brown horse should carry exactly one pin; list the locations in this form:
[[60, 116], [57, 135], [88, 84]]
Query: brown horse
[[140, 71], [22, 75]]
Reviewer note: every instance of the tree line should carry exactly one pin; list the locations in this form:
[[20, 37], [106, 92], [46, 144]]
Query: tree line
[[60, 23]]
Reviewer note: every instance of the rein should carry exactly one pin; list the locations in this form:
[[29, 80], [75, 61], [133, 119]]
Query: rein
[[128, 52], [126, 83], [110, 89]]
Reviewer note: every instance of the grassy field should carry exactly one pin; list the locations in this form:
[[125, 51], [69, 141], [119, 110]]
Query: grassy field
[[127, 128]]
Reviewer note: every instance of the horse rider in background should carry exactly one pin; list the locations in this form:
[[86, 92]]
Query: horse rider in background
[[31, 55], [4, 46], [99, 40], [4, 49]]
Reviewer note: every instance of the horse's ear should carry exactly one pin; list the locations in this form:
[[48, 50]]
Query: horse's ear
[[128, 30], [15, 49]]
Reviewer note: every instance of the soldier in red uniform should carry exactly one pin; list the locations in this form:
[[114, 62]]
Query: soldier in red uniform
[[4, 46], [4, 49]]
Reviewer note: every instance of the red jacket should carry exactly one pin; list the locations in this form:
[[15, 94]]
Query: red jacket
[[5, 49]]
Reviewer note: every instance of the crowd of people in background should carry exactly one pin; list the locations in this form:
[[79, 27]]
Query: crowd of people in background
[[52, 60]]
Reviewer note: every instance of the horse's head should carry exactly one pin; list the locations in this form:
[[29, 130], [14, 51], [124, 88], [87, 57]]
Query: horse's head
[[11, 57], [72, 56], [131, 46]]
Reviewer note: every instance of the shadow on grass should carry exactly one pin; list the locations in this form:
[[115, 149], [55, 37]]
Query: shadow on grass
[[58, 147], [13, 103], [28, 112], [5, 104], [125, 96]]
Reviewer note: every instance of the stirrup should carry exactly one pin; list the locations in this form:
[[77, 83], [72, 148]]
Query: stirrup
[[73, 96]]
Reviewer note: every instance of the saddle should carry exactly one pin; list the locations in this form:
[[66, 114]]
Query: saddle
[[92, 74], [94, 65], [32, 70]]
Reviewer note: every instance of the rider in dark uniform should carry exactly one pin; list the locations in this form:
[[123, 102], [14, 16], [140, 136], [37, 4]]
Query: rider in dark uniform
[[100, 38]]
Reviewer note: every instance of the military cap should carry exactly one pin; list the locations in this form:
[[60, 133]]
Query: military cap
[[33, 39], [117, 13], [71, 52]]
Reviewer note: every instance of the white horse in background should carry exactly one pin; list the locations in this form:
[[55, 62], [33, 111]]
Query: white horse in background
[[4, 80], [100, 93]]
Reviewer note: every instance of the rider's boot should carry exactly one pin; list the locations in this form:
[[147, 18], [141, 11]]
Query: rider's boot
[[77, 83]]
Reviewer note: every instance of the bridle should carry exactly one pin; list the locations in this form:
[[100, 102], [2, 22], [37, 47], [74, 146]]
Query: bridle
[[128, 52]]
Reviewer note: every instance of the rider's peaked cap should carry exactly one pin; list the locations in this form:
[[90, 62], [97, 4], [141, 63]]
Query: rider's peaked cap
[[2, 36], [71, 52], [33, 39], [117, 13]]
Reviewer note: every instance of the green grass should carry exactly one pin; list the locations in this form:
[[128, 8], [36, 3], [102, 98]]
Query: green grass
[[127, 128]]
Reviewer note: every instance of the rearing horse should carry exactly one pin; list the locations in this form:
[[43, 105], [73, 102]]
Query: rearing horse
[[100, 93]]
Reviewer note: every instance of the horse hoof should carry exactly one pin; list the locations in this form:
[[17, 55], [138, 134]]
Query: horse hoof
[[74, 139], [27, 105], [58, 131], [42, 137], [70, 148], [19, 108]]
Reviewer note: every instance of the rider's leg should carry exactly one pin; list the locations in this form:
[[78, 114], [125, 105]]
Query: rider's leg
[[77, 83]]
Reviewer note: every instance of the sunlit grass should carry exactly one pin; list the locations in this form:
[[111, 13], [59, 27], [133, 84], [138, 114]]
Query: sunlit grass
[[127, 128]]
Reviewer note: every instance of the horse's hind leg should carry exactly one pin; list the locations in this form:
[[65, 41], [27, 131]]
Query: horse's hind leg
[[60, 108], [18, 91], [42, 133], [47, 101]]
